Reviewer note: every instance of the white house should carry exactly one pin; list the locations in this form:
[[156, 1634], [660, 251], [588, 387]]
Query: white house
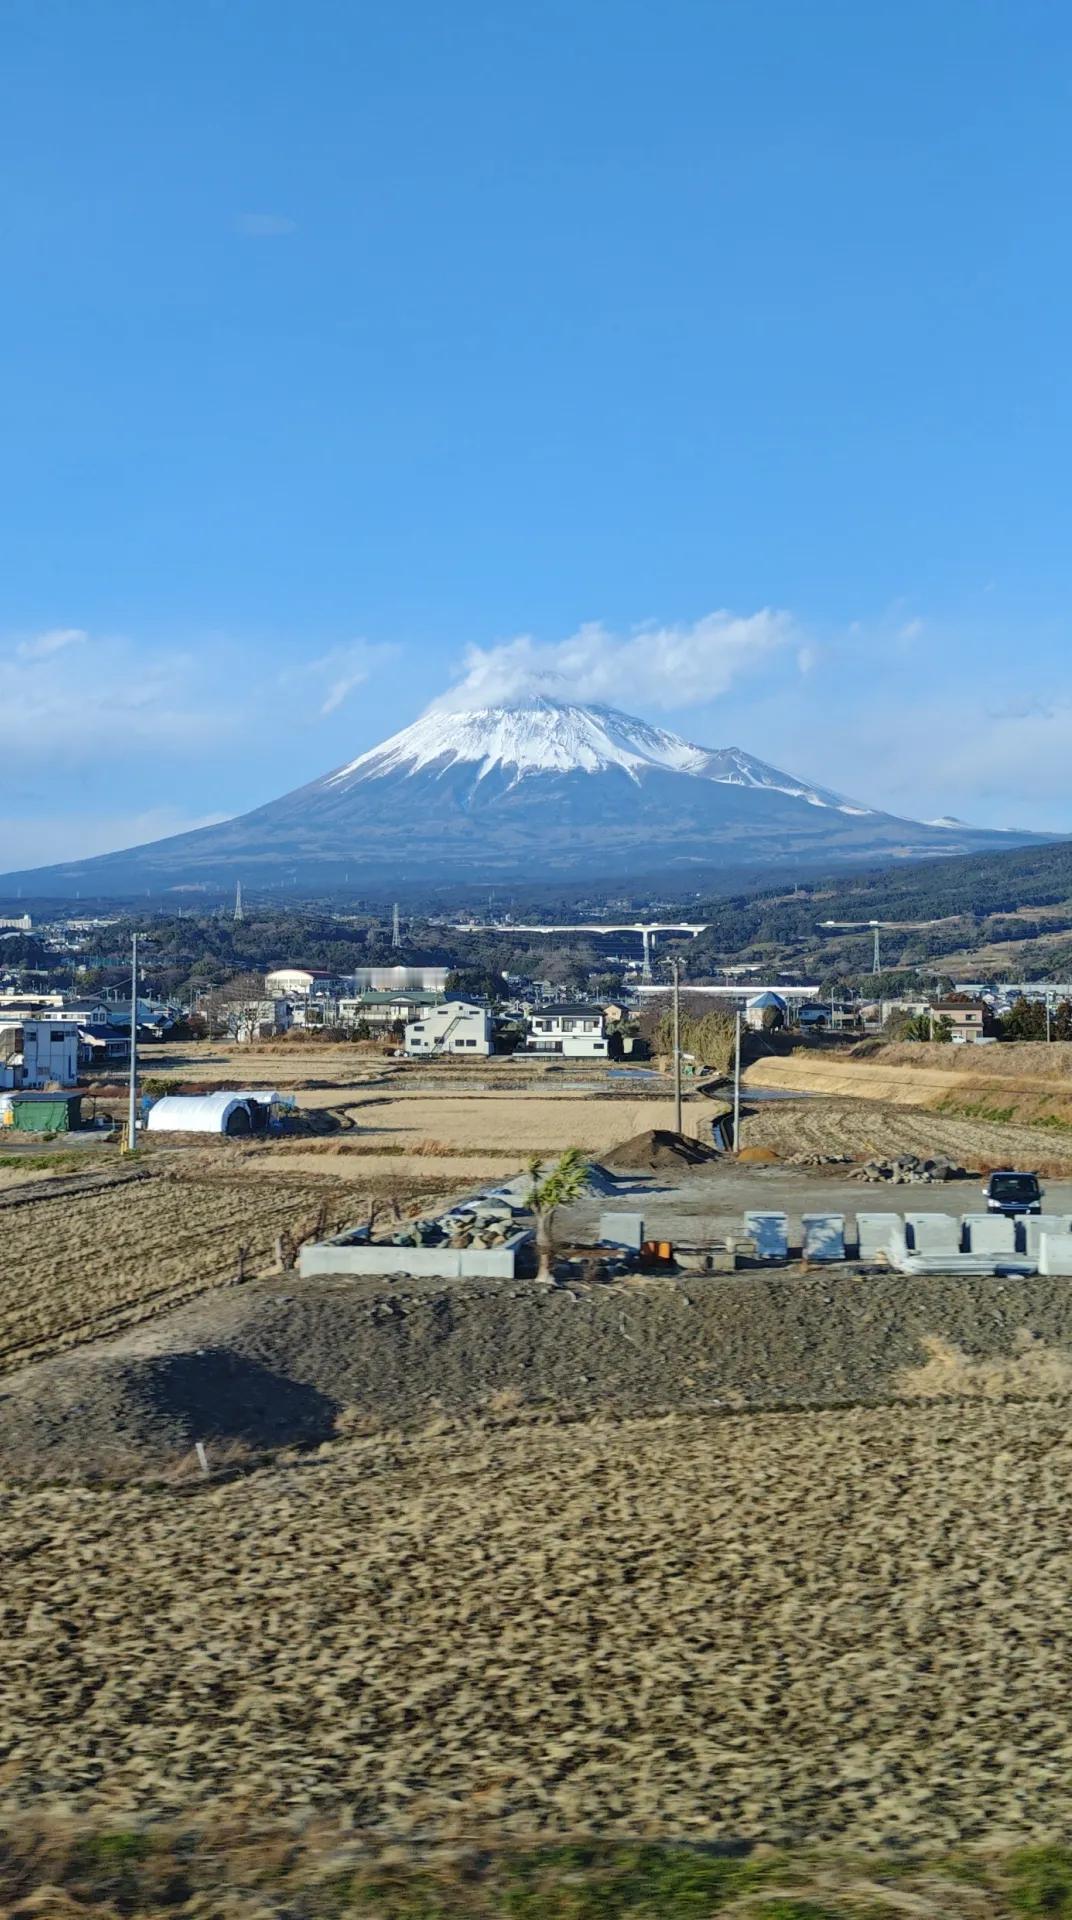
[[573, 1030], [259, 1019], [397, 1008], [38, 1053], [455, 1026]]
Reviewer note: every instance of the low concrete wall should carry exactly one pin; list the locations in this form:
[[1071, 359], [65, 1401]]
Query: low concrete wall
[[436, 1263]]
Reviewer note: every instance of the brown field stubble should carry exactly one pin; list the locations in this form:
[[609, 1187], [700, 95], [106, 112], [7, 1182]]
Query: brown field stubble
[[836, 1625], [79, 1267]]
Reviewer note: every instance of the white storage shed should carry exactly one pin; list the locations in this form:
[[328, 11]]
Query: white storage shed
[[200, 1113]]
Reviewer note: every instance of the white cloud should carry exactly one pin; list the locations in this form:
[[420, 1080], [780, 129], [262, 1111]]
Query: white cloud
[[48, 838], [335, 675], [112, 697], [54, 640], [265, 226], [667, 667]]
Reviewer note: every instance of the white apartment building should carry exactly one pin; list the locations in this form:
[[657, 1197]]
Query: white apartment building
[[38, 1053], [456, 1026]]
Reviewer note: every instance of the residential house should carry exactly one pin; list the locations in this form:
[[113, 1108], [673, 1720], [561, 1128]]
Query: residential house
[[38, 1053], [969, 1020], [101, 1046], [765, 1010], [259, 1019], [399, 1007], [454, 1026], [572, 1029]]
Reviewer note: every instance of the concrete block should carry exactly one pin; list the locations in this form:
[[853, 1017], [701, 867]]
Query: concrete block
[[622, 1230], [770, 1231], [873, 1232], [1055, 1253], [1031, 1226], [989, 1233], [932, 1233], [440, 1263], [824, 1236]]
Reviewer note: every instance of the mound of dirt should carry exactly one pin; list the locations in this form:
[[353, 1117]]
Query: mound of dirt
[[274, 1363], [657, 1151]]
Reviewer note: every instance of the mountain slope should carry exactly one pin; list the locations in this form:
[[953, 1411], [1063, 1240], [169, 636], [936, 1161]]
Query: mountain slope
[[534, 791]]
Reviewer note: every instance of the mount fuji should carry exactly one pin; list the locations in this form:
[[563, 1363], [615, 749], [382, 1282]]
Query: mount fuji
[[532, 791]]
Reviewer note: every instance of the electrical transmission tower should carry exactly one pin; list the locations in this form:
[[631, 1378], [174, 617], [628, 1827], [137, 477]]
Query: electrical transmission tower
[[238, 913], [396, 931]]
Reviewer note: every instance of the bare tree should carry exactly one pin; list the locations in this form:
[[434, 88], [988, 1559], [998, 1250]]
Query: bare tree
[[240, 1007]]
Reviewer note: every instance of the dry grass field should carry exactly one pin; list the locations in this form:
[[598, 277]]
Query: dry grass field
[[520, 1123], [858, 1129], [465, 1644], [985, 1106], [828, 1626], [74, 1269]]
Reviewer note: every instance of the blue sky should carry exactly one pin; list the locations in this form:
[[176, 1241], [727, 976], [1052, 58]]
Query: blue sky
[[343, 346]]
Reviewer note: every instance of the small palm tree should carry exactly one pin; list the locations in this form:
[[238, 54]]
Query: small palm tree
[[566, 1181]]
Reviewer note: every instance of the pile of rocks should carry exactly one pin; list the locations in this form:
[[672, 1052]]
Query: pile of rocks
[[909, 1170], [483, 1223], [818, 1160]]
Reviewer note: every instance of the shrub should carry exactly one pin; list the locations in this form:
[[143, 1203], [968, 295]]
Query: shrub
[[1041, 1881]]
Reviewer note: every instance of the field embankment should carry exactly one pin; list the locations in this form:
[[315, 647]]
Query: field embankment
[[323, 1870], [987, 1106]]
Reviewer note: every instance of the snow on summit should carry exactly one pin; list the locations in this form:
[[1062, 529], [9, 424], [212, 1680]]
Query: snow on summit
[[543, 735], [534, 736]]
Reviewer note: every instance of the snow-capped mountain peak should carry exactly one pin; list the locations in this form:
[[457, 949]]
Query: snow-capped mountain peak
[[544, 735], [531, 792], [535, 736]]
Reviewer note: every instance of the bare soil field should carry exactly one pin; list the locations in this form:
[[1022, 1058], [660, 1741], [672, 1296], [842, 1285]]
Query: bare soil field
[[523, 1122], [858, 1129], [282, 1361], [823, 1625]]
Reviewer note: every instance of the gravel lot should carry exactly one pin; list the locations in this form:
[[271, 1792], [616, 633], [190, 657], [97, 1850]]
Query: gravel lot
[[827, 1624]]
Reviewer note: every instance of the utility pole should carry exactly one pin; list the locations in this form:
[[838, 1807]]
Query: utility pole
[[1049, 1023], [737, 1085], [676, 964], [877, 968], [132, 1121]]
